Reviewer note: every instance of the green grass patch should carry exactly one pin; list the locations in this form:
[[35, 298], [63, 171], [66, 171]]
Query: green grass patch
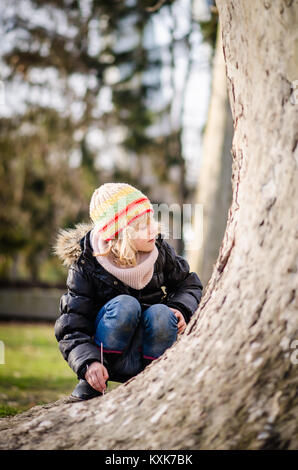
[[34, 372]]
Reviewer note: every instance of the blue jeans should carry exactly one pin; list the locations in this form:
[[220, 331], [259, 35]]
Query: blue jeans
[[132, 337]]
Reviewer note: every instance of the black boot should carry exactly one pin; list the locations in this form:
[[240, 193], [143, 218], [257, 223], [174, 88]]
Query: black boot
[[84, 391], [146, 362]]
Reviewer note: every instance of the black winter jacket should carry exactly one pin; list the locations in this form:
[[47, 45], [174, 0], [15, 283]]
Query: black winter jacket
[[90, 286]]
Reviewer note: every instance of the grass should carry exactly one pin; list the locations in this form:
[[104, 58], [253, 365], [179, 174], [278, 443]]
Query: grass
[[34, 372]]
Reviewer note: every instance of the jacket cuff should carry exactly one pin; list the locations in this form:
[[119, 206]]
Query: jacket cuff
[[181, 309], [83, 369]]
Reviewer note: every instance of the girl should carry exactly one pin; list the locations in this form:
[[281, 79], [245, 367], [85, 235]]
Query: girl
[[115, 304]]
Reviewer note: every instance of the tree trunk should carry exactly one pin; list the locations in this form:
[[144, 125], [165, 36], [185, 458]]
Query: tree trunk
[[230, 382], [214, 190]]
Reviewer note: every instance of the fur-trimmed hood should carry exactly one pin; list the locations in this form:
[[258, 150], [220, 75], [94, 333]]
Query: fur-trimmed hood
[[67, 244]]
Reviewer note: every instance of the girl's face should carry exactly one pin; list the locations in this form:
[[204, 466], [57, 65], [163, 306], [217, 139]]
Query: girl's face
[[145, 234]]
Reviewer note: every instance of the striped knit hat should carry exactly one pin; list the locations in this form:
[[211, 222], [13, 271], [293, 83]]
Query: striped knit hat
[[113, 206]]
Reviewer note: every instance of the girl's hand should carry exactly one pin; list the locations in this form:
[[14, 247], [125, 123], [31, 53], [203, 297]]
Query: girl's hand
[[97, 375], [181, 321]]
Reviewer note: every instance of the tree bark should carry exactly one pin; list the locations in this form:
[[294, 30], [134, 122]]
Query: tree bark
[[230, 382], [214, 189]]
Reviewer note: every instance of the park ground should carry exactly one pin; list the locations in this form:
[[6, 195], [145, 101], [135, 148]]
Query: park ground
[[34, 372]]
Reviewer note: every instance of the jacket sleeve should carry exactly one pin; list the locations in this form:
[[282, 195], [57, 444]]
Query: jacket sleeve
[[184, 288], [74, 328]]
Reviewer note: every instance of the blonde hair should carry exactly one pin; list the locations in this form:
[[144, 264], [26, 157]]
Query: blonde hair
[[121, 248]]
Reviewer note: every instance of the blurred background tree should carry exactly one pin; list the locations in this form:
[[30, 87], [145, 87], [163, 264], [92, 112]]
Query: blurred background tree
[[95, 91]]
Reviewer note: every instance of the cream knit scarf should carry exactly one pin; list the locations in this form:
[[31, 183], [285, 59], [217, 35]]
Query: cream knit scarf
[[136, 277]]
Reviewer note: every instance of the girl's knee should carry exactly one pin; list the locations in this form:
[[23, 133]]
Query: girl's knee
[[128, 305], [127, 302], [159, 317], [125, 307], [160, 330], [118, 323]]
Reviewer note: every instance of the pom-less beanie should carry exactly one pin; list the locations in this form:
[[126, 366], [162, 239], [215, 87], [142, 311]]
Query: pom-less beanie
[[113, 206]]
